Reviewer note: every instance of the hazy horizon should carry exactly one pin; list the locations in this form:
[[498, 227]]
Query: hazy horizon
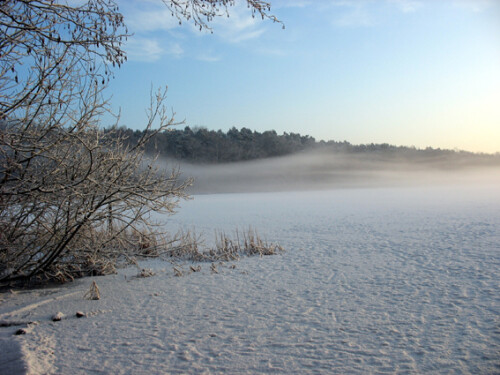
[[323, 170]]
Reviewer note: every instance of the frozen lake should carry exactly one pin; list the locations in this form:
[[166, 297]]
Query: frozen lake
[[375, 281]]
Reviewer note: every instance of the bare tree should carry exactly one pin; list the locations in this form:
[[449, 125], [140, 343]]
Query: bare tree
[[68, 190], [202, 12]]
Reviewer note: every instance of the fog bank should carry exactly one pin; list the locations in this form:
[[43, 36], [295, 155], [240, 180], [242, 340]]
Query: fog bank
[[318, 170]]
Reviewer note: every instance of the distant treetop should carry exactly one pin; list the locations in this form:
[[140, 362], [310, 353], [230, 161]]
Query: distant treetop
[[200, 145]]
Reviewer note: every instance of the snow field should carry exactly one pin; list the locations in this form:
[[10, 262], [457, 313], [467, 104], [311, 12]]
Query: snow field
[[373, 281]]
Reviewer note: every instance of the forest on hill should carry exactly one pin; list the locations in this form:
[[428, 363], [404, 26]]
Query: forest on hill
[[198, 145]]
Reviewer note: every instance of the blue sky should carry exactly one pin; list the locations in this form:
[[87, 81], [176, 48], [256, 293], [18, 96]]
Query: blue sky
[[405, 72]]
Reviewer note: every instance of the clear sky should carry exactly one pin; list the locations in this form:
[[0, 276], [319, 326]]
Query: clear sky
[[405, 72]]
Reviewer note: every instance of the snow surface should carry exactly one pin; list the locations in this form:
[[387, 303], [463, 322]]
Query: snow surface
[[373, 281]]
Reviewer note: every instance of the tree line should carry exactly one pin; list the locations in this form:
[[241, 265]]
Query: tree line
[[200, 145]]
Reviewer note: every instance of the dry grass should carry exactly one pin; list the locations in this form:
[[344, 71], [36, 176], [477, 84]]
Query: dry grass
[[93, 293], [188, 246], [130, 245]]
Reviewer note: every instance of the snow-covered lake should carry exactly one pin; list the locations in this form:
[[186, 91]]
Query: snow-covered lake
[[403, 280], [375, 280]]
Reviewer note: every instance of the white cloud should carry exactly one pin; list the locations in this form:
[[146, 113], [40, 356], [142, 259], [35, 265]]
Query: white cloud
[[354, 14], [151, 50], [175, 50], [474, 5], [272, 52], [243, 35], [143, 49], [277, 4], [159, 18], [208, 57], [239, 26], [147, 16], [407, 6], [363, 13]]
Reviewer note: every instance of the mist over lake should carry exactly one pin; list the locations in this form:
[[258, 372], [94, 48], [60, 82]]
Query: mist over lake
[[323, 170]]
